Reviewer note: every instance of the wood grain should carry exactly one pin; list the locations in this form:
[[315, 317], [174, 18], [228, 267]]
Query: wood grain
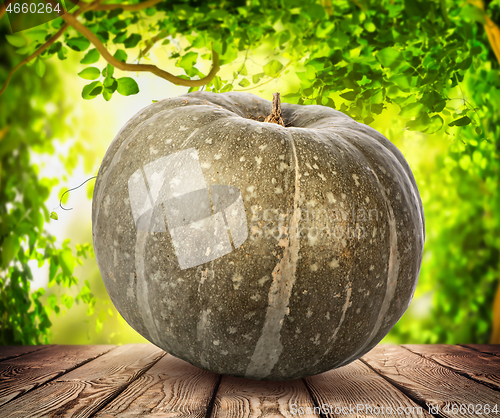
[[171, 388], [239, 397], [481, 367], [355, 390], [21, 374], [11, 351], [85, 390], [493, 349], [429, 383]]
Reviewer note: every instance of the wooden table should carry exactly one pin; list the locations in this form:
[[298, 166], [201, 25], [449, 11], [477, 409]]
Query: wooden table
[[139, 380]]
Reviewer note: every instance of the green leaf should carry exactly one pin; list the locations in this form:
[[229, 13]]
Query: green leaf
[[91, 57], [257, 77], [132, 40], [110, 70], [411, 110], [244, 83], [90, 73], [188, 60], [78, 44], [272, 68], [350, 95], [15, 40], [435, 125], [390, 58], [127, 86], [121, 55], [10, 247], [370, 26], [92, 90], [54, 216], [67, 261], [465, 120], [40, 67]]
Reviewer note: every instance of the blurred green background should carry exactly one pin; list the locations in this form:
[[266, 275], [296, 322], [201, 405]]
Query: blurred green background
[[425, 74]]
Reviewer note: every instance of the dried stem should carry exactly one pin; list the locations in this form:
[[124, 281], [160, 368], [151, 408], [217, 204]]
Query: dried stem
[[275, 116]]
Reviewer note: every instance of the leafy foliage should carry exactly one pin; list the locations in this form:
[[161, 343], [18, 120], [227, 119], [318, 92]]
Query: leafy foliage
[[360, 57]]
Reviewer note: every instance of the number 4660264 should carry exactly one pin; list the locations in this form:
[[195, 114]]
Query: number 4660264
[[33, 8]]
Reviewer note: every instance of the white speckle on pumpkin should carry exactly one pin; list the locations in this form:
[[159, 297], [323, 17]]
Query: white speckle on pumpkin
[[249, 315], [250, 189], [208, 141], [218, 156], [367, 199], [313, 267], [309, 166], [224, 352], [232, 330], [374, 231], [334, 263], [344, 243], [183, 128], [242, 158], [309, 312], [278, 190], [150, 136], [207, 252], [322, 176], [216, 342], [206, 164], [258, 129], [315, 340], [237, 279], [372, 267], [342, 195], [327, 316], [273, 180], [259, 161], [330, 197], [107, 202], [316, 166], [282, 156], [263, 280], [263, 147]]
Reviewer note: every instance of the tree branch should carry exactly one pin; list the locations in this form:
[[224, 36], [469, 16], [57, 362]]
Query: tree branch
[[3, 7], [129, 7], [150, 42], [34, 55], [491, 29], [87, 33]]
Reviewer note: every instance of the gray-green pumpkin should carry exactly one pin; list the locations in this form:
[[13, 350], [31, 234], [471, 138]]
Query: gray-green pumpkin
[[253, 249]]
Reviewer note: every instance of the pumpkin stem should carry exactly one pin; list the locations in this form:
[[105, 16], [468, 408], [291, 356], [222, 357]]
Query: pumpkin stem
[[275, 116]]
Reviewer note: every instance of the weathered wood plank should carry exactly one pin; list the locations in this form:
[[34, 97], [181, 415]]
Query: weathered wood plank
[[493, 349], [355, 390], [170, 388], [429, 383], [11, 351], [85, 390], [22, 374], [478, 366], [238, 397]]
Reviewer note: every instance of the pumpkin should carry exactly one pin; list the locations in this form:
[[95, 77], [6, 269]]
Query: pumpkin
[[269, 251]]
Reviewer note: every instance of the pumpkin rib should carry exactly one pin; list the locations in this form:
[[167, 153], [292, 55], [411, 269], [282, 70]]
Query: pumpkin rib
[[386, 301], [367, 346], [284, 276]]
